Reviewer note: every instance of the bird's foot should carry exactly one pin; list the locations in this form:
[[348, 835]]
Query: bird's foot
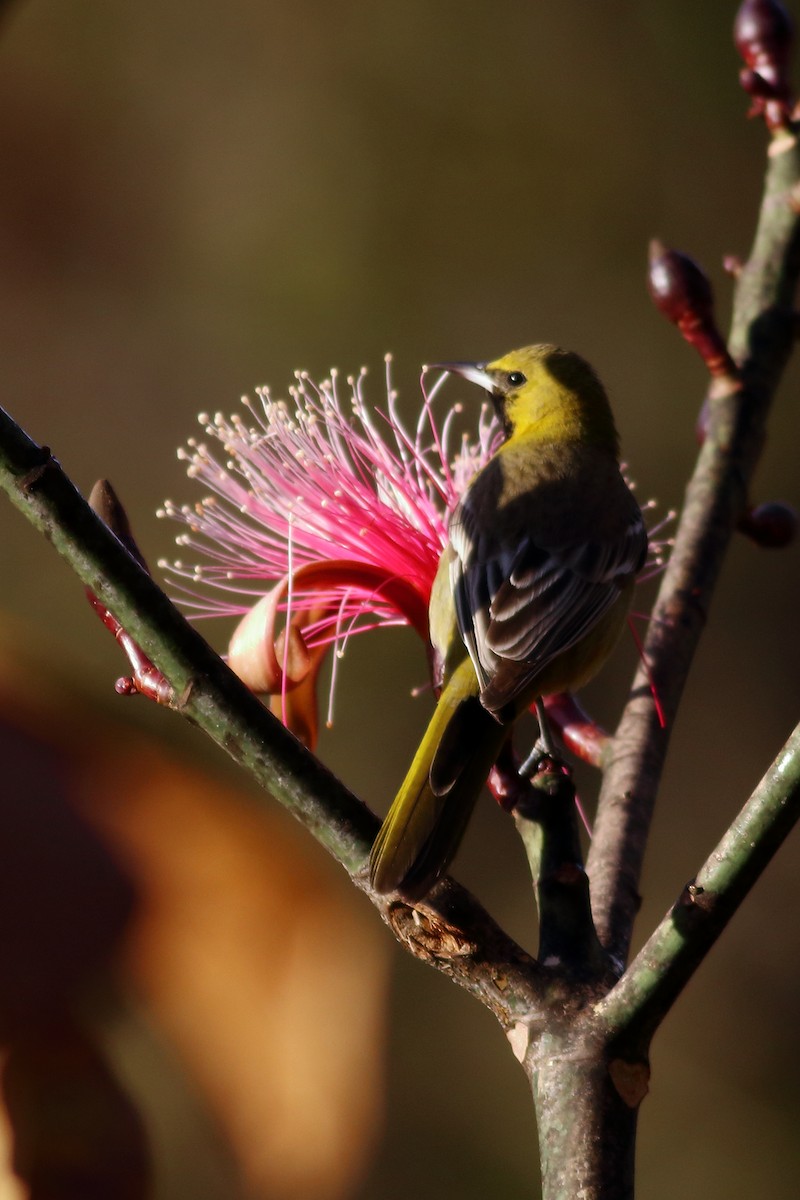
[[541, 761]]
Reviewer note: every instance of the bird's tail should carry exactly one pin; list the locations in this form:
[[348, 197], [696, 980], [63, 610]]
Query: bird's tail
[[427, 819]]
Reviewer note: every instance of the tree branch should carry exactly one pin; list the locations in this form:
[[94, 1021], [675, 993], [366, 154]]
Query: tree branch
[[546, 817], [634, 1008], [763, 331]]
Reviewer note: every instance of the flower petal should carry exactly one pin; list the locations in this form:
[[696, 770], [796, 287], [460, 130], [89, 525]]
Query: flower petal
[[251, 651], [297, 708], [378, 583]]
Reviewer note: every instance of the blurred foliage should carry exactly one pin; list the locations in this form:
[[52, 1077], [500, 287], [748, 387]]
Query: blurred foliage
[[198, 198]]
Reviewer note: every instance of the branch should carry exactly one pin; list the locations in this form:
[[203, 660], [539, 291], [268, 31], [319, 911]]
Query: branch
[[636, 1005], [545, 814], [762, 334], [451, 930]]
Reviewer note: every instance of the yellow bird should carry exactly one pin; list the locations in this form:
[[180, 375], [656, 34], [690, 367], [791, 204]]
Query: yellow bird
[[530, 597]]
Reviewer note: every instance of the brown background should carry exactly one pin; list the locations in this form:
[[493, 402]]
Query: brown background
[[196, 198]]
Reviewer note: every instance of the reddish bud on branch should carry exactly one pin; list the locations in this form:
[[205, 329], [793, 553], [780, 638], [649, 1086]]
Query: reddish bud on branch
[[763, 35], [681, 291], [771, 526]]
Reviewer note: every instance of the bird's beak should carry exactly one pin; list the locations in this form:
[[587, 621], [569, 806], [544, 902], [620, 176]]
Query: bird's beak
[[474, 372]]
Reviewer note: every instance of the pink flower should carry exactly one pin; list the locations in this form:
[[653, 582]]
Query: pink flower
[[326, 518]]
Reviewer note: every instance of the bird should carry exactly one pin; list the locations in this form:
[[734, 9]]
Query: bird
[[531, 594]]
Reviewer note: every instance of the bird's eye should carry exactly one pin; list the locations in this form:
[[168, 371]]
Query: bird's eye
[[515, 379]]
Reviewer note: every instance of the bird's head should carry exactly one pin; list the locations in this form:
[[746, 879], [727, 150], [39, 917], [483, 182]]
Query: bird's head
[[546, 393]]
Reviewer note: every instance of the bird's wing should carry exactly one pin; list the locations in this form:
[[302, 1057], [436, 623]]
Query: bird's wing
[[519, 603]]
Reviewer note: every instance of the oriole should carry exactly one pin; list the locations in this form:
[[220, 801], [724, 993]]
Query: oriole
[[530, 597]]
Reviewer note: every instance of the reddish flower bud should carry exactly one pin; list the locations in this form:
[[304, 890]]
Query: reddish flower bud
[[771, 526], [763, 35], [681, 291]]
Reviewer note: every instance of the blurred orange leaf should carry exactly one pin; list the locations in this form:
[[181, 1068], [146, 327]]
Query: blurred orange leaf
[[248, 951]]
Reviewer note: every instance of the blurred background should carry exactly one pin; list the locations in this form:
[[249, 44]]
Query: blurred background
[[196, 199]]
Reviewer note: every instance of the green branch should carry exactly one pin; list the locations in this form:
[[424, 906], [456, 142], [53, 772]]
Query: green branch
[[546, 819], [635, 1006], [206, 690]]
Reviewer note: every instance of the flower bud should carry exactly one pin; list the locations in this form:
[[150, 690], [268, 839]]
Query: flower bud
[[681, 291], [763, 35]]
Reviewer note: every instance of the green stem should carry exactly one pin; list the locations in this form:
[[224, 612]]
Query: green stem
[[635, 1006], [207, 691], [545, 816]]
